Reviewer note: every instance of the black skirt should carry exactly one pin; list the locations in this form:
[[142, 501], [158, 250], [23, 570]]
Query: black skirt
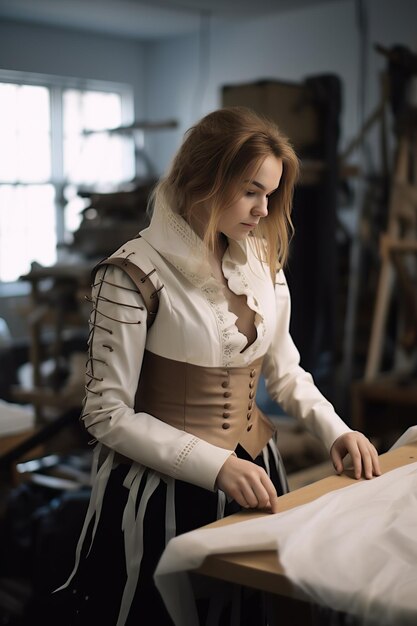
[[94, 595]]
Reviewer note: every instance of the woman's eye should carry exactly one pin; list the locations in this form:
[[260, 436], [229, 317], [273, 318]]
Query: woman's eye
[[250, 193]]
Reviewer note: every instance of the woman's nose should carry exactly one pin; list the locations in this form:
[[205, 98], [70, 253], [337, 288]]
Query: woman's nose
[[261, 207]]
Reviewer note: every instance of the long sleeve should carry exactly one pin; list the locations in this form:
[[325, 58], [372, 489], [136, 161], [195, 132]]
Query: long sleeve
[[291, 386], [116, 347]]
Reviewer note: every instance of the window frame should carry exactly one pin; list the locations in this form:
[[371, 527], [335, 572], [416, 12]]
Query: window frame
[[57, 85]]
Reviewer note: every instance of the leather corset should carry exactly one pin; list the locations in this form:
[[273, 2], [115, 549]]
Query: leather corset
[[213, 403]]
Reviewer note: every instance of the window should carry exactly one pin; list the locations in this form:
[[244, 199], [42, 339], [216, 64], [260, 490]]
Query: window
[[48, 148]]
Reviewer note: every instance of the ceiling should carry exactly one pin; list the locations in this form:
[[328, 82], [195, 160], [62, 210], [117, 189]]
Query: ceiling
[[142, 19]]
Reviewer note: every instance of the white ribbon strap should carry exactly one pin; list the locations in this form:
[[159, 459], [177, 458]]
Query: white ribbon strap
[[265, 455], [100, 485], [133, 531], [221, 503], [94, 507], [279, 464]]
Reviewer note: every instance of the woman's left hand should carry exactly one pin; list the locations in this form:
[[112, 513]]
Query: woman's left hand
[[363, 454]]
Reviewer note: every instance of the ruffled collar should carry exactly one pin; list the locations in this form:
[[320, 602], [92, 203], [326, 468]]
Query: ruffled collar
[[176, 241]]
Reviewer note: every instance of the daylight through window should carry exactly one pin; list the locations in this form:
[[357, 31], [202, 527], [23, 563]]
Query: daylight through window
[[46, 153]]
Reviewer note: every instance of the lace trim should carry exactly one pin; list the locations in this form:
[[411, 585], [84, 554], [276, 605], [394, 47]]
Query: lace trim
[[231, 340], [185, 452], [239, 284], [188, 258], [180, 226]]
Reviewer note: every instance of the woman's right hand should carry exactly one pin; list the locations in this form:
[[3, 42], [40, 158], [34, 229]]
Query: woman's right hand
[[248, 484]]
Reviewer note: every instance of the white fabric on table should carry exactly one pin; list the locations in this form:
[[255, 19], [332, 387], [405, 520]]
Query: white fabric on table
[[408, 437], [353, 550]]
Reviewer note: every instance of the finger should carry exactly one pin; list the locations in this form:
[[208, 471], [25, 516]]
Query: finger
[[239, 497], [261, 495], [336, 459], [356, 457], [274, 505], [375, 461], [255, 486], [249, 496], [366, 461], [269, 487], [370, 459]]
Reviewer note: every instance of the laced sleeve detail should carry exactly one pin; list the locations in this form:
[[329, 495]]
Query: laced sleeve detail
[[142, 282], [115, 302]]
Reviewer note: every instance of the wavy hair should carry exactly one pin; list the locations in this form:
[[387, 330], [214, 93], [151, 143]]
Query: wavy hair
[[216, 159]]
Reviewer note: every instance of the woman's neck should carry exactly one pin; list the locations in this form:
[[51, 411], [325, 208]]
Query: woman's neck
[[220, 247], [216, 257], [198, 223]]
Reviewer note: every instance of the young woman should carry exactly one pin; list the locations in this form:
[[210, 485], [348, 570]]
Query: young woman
[[180, 440]]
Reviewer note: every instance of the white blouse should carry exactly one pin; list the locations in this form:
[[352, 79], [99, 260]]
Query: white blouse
[[193, 325]]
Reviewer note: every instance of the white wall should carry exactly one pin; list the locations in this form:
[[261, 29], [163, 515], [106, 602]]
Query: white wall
[[65, 52], [171, 84], [171, 79], [285, 46]]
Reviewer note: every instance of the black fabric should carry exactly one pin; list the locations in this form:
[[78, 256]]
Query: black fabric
[[38, 536], [94, 595]]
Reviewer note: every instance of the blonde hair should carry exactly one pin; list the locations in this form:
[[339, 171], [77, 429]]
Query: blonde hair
[[218, 156]]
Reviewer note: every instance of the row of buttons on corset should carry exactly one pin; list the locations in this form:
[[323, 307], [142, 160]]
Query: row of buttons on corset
[[227, 405]]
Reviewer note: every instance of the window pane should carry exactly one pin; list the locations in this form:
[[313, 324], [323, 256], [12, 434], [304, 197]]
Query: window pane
[[25, 153], [101, 110], [9, 154], [8, 132], [34, 157], [8, 100], [101, 160], [27, 228], [33, 109], [98, 159]]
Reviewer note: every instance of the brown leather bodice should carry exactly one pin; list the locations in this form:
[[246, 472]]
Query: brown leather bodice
[[214, 403]]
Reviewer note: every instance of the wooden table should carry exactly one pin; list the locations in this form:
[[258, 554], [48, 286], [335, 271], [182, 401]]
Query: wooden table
[[262, 570]]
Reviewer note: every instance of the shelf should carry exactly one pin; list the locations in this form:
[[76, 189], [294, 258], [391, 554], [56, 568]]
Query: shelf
[[47, 397], [137, 125]]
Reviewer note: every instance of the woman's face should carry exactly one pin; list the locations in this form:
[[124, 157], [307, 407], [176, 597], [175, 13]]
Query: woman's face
[[245, 213]]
